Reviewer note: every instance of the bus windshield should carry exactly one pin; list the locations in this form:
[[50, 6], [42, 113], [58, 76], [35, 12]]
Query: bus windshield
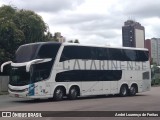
[[39, 71], [19, 76], [26, 53], [30, 52]]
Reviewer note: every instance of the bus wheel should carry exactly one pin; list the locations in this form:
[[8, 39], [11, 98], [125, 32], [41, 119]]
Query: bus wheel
[[132, 90], [73, 93], [123, 91], [58, 94]]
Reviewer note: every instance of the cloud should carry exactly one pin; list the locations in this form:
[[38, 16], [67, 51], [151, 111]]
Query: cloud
[[91, 28], [142, 8], [77, 18], [94, 21], [45, 5], [152, 27]]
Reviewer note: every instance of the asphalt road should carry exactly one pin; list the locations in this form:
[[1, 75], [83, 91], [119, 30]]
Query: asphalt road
[[147, 101]]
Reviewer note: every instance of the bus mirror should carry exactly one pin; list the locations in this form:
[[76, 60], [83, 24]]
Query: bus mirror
[[4, 64], [32, 62]]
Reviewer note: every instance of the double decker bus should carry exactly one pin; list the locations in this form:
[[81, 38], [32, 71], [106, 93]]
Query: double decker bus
[[54, 70]]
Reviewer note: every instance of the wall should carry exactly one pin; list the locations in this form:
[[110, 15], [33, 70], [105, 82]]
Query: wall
[[4, 83], [139, 37]]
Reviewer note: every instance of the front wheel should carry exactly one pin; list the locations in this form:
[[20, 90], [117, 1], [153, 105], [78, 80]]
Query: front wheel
[[73, 93], [58, 94], [123, 91]]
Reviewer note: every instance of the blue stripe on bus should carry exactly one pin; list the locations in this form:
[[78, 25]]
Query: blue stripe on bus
[[31, 89]]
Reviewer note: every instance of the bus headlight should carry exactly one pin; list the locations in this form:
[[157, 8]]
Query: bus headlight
[[26, 89]]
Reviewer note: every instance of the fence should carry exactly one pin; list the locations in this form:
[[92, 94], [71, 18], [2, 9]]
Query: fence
[[4, 83]]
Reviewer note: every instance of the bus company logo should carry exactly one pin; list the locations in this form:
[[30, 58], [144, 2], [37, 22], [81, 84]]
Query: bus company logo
[[6, 114]]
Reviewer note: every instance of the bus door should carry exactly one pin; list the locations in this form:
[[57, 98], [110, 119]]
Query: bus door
[[146, 85]]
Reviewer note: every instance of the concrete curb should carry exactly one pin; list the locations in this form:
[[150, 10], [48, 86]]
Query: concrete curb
[[4, 93]]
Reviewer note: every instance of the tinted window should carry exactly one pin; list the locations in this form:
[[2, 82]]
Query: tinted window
[[103, 54], [146, 75], [19, 76], [142, 55], [116, 54], [130, 55], [89, 75], [26, 53], [97, 53], [81, 52], [35, 51], [74, 52], [48, 51], [41, 71]]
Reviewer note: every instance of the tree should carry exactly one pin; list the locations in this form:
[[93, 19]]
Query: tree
[[49, 37], [70, 41], [32, 26], [19, 27], [74, 41], [10, 35]]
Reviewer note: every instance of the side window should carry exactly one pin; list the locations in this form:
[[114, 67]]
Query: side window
[[84, 52], [130, 55], [76, 52], [102, 54], [115, 54], [97, 53], [89, 75], [93, 53], [66, 53], [142, 55], [146, 75], [41, 71], [48, 51]]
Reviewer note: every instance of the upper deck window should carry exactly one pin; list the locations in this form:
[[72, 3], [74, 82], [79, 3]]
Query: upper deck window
[[100, 53], [48, 51]]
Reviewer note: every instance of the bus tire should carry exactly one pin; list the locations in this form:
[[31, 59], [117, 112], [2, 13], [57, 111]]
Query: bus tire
[[133, 90], [73, 93], [123, 91], [58, 94]]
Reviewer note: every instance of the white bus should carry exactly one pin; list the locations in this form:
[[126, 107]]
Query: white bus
[[55, 70]]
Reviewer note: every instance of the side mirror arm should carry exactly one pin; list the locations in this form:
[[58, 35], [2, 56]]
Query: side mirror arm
[[32, 62], [4, 64]]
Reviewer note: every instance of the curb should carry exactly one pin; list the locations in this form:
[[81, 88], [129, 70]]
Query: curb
[[4, 93]]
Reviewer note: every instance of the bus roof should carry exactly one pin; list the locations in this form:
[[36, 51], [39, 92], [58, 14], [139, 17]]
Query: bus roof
[[87, 45], [103, 46], [41, 43]]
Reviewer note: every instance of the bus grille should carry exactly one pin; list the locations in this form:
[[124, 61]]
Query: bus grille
[[16, 90]]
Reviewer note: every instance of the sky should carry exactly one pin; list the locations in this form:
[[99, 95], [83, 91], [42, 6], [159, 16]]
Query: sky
[[94, 21]]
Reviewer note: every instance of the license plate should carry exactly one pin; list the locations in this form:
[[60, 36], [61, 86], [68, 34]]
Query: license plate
[[16, 95]]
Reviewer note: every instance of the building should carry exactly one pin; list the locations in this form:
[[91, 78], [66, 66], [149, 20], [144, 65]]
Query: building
[[153, 45], [58, 37], [133, 34]]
